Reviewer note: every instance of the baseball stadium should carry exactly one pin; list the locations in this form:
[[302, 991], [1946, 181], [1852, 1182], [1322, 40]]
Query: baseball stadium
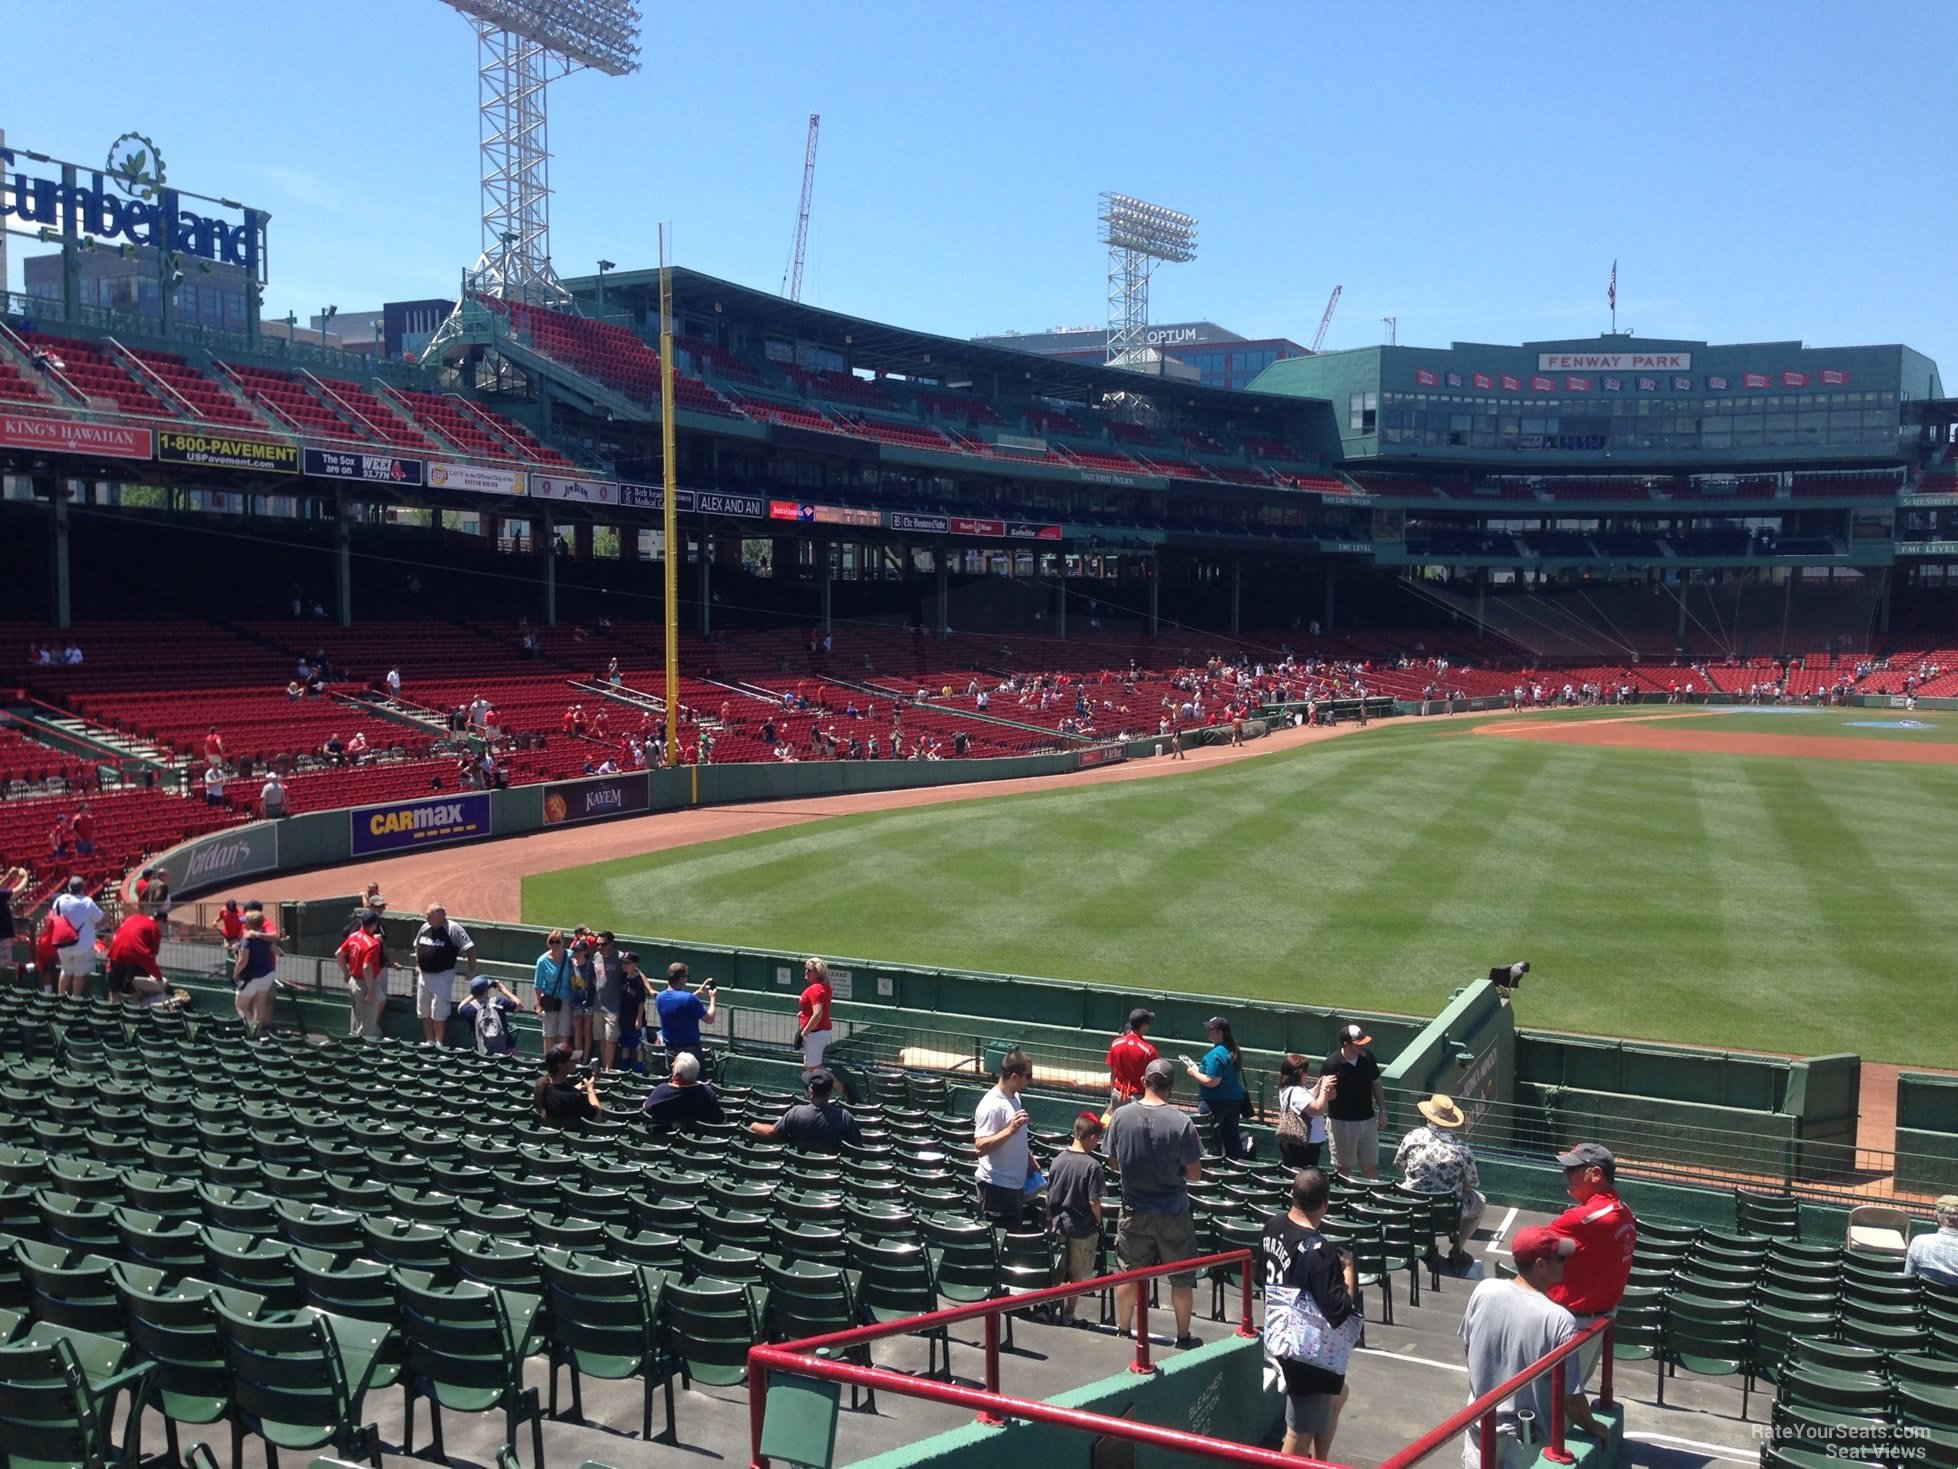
[[1520, 771]]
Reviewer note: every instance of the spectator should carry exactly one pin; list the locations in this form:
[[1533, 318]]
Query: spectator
[[61, 838], [584, 993], [561, 1099], [550, 988], [334, 750], [231, 926], [1510, 1325], [76, 915], [999, 1126], [272, 796], [632, 1014], [683, 1098], [357, 748], [363, 960], [84, 828], [1074, 1189], [1353, 1118], [214, 751], [1934, 1257], [1221, 1076], [1155, 1149], [134, 953], [372, 900], [605, 1005], [488, 1011], [1606, 1233], [394, 683], [822, 1124], [13, 881], [1128, 1057], [1312, 1316], [254, 973], [681, 1012], [813, 1011], [1433, 1159], [213, 785], [1302, 1113], [439, 946]]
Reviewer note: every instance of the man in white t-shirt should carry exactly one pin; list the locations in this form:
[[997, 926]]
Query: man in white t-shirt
[[272, 797], [999, 1131], [1508, 1326], [77, 959]]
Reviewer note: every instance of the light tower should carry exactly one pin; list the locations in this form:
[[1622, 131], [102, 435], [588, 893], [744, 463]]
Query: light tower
[[1139, 236], [521, 45]]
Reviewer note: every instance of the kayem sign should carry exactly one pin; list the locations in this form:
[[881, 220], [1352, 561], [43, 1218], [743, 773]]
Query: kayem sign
[[372, 468], [1614, 361], [479, 479], [403, 826], [214, 451], [243, 851], [70, 436], [587, 800]]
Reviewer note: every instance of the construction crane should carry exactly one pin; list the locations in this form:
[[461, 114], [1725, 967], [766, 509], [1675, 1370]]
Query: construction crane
[[1326, 320], [792, 277]]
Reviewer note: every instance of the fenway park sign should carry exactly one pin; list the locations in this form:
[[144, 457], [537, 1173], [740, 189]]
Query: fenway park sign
[[71, 436], [1614, 361]]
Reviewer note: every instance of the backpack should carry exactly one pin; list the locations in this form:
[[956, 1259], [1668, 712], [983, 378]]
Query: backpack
[[492, 1029]]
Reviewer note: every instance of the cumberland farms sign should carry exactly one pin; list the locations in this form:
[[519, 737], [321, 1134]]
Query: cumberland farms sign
[[1614, 361]]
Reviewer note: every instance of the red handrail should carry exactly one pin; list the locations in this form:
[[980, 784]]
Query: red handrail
[[992, 1405], [1484, 1407]]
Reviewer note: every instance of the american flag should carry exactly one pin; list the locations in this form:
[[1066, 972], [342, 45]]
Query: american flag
[[1611, 291]]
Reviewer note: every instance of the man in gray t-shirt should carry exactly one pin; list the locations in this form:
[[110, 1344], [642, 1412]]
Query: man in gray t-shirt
[[1155, 1148], [609, 970], [1510, 1324]]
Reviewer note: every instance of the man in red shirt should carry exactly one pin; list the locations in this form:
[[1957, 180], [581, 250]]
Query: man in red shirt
[[84, 827], [213, 748], [133, 954], [362, 958], [1605, 1233], [813, 1012], [1129, 1057]]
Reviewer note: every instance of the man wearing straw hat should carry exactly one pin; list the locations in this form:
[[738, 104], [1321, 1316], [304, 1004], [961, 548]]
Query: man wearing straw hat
[[1433, 1159]]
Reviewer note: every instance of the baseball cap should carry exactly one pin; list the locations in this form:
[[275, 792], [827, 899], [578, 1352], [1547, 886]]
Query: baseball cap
[[1538, 1243], [479, 984], [1946, 1207], [1216, 1022], [1089, 1114], [1353, 1035], [75, 885], [628, 957], [1159, 1070], [1140, 1016], [819, 1078], [1585, 1154]]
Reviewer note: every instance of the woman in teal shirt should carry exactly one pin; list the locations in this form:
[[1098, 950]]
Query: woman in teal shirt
[[1221, 1077]]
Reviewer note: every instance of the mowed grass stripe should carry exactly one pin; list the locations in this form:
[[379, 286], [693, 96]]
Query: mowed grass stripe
[[1766, 904]]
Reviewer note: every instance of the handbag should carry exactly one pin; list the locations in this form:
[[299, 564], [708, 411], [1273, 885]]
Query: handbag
[[551, 1004], [1291, 1124], [1296, 1330]]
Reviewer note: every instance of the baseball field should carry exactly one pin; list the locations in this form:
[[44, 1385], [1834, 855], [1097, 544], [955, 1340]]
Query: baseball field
[[1764, 879]]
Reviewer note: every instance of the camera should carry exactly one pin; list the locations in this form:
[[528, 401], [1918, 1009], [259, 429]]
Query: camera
[[590, 1069], [710, 983]]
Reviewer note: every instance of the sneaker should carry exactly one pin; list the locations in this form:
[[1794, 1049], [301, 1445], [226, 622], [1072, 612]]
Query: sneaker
[[1184, 1343]]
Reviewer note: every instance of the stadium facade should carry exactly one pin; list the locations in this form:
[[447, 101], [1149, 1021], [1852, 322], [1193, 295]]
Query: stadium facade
[[1220, 357]]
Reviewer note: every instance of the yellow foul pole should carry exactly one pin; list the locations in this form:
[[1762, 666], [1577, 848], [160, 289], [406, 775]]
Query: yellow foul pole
[[670, 480]]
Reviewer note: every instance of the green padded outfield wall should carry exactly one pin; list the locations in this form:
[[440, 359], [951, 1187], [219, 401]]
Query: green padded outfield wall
[[1927, 1132]]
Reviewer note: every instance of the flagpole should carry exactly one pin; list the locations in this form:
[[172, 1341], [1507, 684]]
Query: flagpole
[[1612, 296]]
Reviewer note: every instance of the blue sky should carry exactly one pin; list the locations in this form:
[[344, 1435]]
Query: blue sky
[[1760, 171]]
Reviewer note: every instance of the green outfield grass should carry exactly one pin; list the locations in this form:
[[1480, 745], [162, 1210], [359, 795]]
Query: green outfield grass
[[1774, 904]]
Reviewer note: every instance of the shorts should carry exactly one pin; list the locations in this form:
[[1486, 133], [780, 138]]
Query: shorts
[[435, 995], [1082, 1256], [1145, 1237], [121, 977], [556, 1024], [1002, 1203], [1310, 1413], [814, 1044], [1586, 1359], [251, 989], [77, 961], [606, 1024], [1355, 1144]]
